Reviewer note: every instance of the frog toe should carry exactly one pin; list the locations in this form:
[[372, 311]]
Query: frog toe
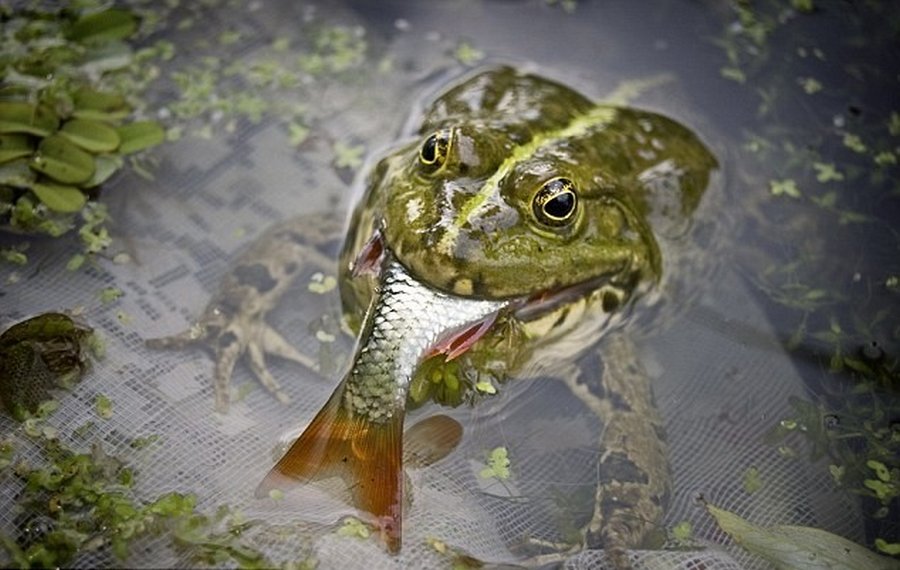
[[258, 365], [273, 343]]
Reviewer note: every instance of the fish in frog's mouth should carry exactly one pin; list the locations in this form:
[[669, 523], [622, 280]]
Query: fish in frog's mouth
[[358, 433]]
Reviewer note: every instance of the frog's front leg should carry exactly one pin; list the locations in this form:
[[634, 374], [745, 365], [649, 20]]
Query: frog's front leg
[[633, 483], [233, 322]]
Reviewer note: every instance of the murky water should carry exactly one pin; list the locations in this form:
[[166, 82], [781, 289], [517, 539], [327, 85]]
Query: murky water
[[774, 360]]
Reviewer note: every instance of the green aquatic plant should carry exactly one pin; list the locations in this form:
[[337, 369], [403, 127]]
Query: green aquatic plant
[[74, 503], [66, 124]]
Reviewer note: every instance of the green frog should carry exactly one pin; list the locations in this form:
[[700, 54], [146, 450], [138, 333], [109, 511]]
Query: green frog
[[516, 224], [39, 354]]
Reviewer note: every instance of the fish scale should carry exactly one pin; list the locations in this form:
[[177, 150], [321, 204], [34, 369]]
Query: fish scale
[[406, 320]]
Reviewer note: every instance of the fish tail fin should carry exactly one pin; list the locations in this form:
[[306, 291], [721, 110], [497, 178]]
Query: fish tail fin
[[366, 454]]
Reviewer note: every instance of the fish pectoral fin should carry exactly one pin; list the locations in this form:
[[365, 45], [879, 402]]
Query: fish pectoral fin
[[367, 455]]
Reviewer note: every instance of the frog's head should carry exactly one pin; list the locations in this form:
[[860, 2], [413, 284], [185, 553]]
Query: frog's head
[[535, 192]]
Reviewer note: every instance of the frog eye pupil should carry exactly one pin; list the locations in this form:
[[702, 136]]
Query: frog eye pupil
[[435, 149], [555, 203], [560, 205], [429, 149]]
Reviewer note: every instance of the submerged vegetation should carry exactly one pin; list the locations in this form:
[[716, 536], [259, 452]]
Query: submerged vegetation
[[826, 136]]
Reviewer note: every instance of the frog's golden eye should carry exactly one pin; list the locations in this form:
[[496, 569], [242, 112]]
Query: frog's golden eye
[[556, 202], [435, 150]]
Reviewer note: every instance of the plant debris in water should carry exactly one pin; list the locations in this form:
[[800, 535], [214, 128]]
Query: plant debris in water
[[827, 153], [75, 503]]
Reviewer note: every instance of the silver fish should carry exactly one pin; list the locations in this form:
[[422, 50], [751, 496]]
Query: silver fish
[[358, 433]]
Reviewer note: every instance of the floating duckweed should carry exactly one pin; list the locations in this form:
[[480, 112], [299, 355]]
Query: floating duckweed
[[321, 284], [110, 294], [890, 548], [810, 85], [786, 187], [497, 465], [104, 407], [827, 172], [752, 480], [348, 156], [485, 387], [467, 54], [683, 531], [854, 143], [355, 528]]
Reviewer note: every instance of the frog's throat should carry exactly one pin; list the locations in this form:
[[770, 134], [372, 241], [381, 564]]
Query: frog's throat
[[597, 118]]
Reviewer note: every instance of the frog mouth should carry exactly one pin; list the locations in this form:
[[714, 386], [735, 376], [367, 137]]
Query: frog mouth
[[455, 342]]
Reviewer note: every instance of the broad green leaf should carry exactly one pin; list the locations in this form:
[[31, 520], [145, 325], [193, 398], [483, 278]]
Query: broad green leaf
[[59, 197], [140, 135], [790, 547], [92, 136], [14, 146], [91, 104], [63, 161], [18, 117], [105, 165], [103, 26]]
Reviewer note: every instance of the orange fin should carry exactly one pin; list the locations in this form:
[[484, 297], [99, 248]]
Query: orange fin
[[367, 455]]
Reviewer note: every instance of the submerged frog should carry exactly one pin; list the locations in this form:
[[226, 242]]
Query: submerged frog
[[521, 215], [37, 355]]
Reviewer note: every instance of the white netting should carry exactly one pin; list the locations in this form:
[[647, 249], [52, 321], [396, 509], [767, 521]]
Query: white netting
[[718, 394]]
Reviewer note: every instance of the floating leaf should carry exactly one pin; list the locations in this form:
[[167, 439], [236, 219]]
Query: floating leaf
[[63, 161], [60, 198], [790, 547], [92, 136], [108, 25], [140, 135], [16, 117], [14, 146], [101, 105]]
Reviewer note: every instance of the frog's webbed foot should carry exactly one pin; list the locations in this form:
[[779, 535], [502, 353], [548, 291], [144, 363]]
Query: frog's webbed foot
[[233, 324]]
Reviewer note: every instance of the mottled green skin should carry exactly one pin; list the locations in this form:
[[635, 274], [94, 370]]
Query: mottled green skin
[[500, 249], [37, 355]]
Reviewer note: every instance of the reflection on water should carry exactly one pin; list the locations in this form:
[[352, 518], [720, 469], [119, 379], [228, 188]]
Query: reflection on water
[[775, 366]]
